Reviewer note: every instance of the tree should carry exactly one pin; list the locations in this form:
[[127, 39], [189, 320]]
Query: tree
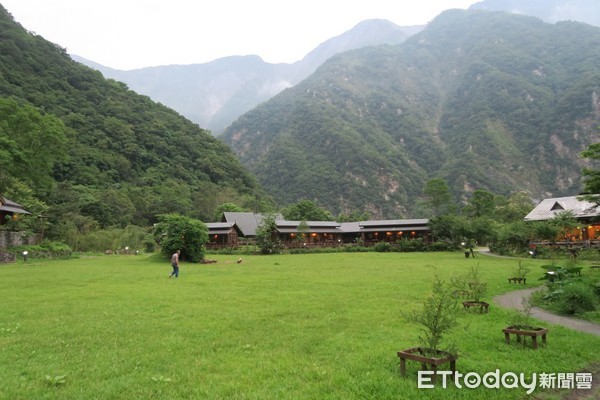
[[513, 209], [438, 196], [226, 207], [450, 228], [437, 317], [591, 176], [267, 236], [31, 143], [176, 232], [306, 210], [353, 216], [302, 231], [481, 204]]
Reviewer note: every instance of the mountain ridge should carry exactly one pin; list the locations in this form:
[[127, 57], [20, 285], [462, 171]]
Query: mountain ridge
[[485, 100], [214, 94]]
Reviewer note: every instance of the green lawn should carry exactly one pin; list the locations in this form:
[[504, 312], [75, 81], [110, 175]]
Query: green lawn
[[324, 326]]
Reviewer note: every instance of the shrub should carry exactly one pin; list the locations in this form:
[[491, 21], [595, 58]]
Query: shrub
[[442, 246], [177, 232], [469, 284], [149, 246], [521, 270], [437, 317], [382, 247], [576, 298], [43, 250], [407, 245]]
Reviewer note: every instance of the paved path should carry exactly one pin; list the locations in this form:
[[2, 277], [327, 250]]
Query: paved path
[[514, 300]]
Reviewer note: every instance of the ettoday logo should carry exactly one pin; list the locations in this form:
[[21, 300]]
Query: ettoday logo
[[509, 380]]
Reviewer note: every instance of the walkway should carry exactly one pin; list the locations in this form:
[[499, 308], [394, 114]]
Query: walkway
[[514, 300]]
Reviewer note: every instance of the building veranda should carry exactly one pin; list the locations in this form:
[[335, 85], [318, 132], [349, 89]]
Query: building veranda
[[237, 228]]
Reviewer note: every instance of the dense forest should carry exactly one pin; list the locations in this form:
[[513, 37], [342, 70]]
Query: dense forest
[[86, 152], [484, 100]]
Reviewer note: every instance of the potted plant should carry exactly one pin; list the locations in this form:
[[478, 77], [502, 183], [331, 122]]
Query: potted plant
[[519, 274], [522, 327], [476, 290], [436, 318]]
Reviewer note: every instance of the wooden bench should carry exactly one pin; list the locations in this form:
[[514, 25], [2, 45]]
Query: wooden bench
[[521, 333], [595, 267], [482, 305], [517, 280]]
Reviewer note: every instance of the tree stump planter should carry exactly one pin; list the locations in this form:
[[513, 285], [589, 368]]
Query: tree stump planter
[[523, 331], [427, 357], [482, 305]]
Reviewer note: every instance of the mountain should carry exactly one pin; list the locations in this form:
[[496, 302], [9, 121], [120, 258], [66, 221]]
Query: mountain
[[214, 94], [101, 154], [548, 10], [485, 100]]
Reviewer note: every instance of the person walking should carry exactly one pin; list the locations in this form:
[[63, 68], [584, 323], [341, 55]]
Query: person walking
[[175, 264]]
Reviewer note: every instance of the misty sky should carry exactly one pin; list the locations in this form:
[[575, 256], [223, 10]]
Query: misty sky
[[128, 34]]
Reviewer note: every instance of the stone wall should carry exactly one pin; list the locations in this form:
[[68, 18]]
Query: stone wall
[[7, 257], [10, 239]]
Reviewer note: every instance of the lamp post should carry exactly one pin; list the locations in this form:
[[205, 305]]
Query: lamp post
[[25, 255]]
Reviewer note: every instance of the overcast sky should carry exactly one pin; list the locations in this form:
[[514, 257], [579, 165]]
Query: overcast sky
[[128, 34]]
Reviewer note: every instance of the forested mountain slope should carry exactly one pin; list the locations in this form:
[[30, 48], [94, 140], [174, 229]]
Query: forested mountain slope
[[486, 100], [548, 10], [98, 152]]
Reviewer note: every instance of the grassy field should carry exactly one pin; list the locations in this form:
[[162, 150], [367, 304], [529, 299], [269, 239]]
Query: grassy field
[[324, 326]]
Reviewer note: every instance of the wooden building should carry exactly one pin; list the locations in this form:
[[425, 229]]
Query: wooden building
[[586, 213], [10, 210], [236, 225]]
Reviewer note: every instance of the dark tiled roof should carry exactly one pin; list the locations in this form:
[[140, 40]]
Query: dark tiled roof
[[248, 223], [393, 222], [549, 208], [10, 206]]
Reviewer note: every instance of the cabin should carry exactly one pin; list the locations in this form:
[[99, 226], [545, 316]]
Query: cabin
[[234, 227], [10, 210], [587, 213], [222, 234]]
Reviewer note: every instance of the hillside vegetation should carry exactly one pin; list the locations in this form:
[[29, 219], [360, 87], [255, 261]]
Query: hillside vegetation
[[87, 151], [484, 100]]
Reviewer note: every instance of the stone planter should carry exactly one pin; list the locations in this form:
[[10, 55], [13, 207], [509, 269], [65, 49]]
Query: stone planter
[[522, 331], [481, 305], [428, 359]]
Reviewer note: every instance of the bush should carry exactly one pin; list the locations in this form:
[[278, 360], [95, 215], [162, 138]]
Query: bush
[[576, 298], [177, 232], [408, 245], [114, 239], [149, 246], [382, 247], [442, 246], [43, 250]]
